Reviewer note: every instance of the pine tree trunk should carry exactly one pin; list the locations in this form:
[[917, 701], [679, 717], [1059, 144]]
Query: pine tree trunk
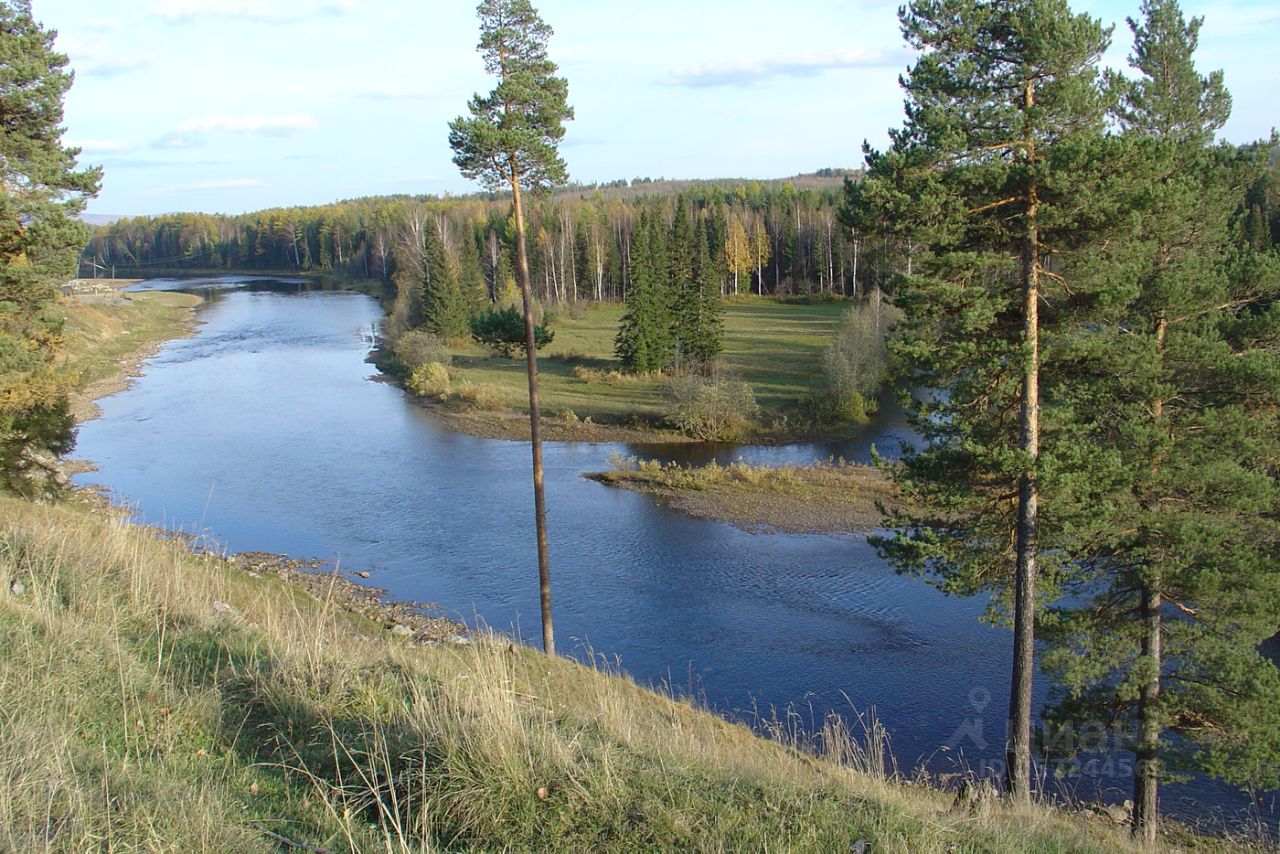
[[1146, 780], [1018, 744], [1146, 814], [535, 433]]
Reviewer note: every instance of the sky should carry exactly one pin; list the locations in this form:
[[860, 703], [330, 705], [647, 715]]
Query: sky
[[239, 105]]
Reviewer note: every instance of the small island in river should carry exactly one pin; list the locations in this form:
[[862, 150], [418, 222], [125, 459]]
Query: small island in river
[[821, 498]]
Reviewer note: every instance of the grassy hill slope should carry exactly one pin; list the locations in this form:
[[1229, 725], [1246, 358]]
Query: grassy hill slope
[[154, 698]]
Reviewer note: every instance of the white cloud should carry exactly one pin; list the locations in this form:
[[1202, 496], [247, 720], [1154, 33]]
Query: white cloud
[[93, 57], [195, 132], [261, 11], [210, 186], [749, 71], [179, 141]]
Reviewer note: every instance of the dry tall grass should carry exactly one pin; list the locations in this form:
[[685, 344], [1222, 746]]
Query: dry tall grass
[[155, 699]]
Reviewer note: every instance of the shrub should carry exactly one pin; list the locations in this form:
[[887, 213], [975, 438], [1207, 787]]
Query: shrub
[[417, 347], [598, 375], [478, 396], [429, 380], [503, 330], [856, 362], [831, 408], [717, 406]]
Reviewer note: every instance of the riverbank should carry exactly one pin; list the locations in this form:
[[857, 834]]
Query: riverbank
[[198, 705], [110, 332], [822, 498]]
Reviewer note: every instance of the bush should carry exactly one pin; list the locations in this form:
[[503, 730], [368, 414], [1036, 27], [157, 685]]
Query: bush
[[418, 347], [503, 330], [856, 361], [478, 396], [713, 407], [429, 380], [829, 408], [598, 375]]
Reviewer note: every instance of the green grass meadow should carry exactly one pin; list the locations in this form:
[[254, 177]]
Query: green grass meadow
[[776, 347]]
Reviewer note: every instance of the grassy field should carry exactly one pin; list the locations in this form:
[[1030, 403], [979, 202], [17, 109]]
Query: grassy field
[[161, 700], [776, 347]]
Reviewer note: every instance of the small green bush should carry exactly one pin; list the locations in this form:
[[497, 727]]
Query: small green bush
[[503, 330], [429, 380], [829, 408]]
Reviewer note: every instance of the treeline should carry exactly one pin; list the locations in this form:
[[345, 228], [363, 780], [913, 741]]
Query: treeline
[[768, 237]]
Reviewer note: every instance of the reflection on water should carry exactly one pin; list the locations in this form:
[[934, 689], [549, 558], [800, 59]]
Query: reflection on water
[[264, 430]]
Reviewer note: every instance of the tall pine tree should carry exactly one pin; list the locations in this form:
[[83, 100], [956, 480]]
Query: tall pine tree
[[991, 171], [40, 236], [510, 142], [1168, 407]]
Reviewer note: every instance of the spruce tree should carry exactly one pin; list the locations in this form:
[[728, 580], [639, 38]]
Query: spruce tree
[[40, 238], [1169, 406], [475, 292], [704, 324], [644, 341], [444, 309], [989, 178], [510, 142], [681, 295]]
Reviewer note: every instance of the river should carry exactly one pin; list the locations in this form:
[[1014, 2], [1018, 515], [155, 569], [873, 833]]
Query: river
[[268, 430]]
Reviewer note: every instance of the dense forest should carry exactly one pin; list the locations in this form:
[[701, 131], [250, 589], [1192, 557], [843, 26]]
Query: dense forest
[[769, 237], [773, 237]]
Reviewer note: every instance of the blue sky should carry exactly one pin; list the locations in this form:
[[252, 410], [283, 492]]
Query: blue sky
[[234, 105]]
